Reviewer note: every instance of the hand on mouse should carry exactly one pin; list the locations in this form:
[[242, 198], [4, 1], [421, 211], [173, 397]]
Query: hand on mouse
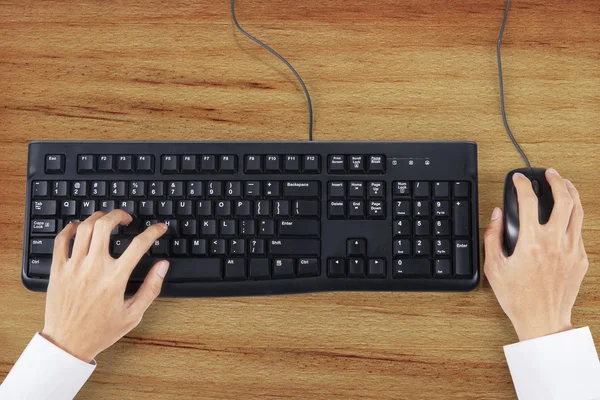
[[86, 309], [538, 284]]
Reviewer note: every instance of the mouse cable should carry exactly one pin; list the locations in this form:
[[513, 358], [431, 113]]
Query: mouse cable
[[504, 119], [283, 60]]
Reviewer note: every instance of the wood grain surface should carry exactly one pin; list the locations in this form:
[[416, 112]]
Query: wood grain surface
[[377, 70]]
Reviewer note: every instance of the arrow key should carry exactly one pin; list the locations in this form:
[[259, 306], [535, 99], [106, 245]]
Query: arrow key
[[356, 247], [376, 268], [336, 268]]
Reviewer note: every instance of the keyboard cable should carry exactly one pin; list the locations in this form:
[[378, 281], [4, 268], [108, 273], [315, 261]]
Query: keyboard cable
[[504, 119], [276, 54]]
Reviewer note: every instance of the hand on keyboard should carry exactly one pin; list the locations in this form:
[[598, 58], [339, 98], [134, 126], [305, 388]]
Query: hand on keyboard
[[537, 285], [86, 311]]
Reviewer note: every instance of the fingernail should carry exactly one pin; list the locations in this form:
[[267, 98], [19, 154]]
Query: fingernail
[[162, 269], [495, 214], [164, 226], [569, 183], [518, 175], [552, 171]]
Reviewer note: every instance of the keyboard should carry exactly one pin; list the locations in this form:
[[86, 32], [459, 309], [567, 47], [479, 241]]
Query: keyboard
[[262, 218]]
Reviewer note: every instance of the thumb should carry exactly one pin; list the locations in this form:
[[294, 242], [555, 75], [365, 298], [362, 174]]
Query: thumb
[[493, 239], [149, 290]]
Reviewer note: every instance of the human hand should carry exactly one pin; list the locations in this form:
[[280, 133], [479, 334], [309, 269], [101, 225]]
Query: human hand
[[538, 284], [86, 309]]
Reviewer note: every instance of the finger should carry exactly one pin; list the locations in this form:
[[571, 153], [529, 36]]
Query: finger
[[493, 242], [528, 203], [104, 226], [149, 290], [140, 245], [576, 221], [62, 242], [563, 203], [83, 235]]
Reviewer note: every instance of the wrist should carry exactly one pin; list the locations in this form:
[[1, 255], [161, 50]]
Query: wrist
[[530, 331], [67, 346]]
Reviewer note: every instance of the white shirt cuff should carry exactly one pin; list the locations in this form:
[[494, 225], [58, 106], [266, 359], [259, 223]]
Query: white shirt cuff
[[44, 371], [563, 366]]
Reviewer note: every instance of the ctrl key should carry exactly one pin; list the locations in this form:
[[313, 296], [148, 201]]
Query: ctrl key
[[39, 267]]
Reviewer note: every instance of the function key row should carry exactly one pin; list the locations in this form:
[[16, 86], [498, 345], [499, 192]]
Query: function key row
[[356, 164], [425, 190], [276, 163], [123, 163]]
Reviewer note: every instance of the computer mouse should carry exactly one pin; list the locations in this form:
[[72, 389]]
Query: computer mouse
[[511, 205]]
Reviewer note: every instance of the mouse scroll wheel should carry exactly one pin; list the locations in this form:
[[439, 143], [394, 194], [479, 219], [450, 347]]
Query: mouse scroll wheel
[[535, 184]]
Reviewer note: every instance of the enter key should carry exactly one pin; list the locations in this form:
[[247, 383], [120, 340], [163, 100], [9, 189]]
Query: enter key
[[299, 228]]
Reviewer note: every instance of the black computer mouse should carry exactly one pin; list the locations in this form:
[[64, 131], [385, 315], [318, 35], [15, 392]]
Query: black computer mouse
[[511, 205]]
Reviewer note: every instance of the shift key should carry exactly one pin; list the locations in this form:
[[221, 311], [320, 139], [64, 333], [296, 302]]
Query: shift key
[[291, 247], [41, 246]]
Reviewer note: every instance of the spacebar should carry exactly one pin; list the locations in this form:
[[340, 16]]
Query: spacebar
[[194, 269]]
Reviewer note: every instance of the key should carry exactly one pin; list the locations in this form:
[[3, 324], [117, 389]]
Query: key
[[43, 208], [105, 163], [412, 268], [460, 189], [119, 245], [356, 247], [442, 247], [288, 247], [272, 164], [252, 189], [55, 164], [223, 208], [308, 267], [357, 164], [68, 208], [337, 164], [376, 268], [402, 227], [421, 189], [299, 228], [107, 206], [356, 268], [233, 190], [252, 164], [259, 268], [146, 208], [188, 164], [306, 208], [281, 208], [256, 247], [422, 247], [291, 164], [402, 208], [189, 227], [267, 227], [40, 189], [184, 208], [156, 189], [442, 268], [198, 247], [209, 227], [41, 246], [462, 259], [441, 190], [118, 189], [301, 189], [208, 164], [460, 218], [179, 247], [169, 164], [137, 189], [247, 227], [217, 246], [442, 227], [441, 209], [134, 228], [175, 190], [61, 189], [376, 210], [237, 247], [356, 209], [125, 164], [173, 227], [43, 226], [272, 189], [356, 190], [376, 164], [336, 210], [145, 163], [227, 227], [127, 206], [401, 189], [421, 208], [312, 164], [40, 267], [214, 189], [336, 268], [194, 190], [190, 269], [228, 164], [165, 208], [283, 268], [422, 227], [337, 190], [242, 208], [235, 269], [204, 208], [98, 189], [262, 208], [402, 247], [376, 190]]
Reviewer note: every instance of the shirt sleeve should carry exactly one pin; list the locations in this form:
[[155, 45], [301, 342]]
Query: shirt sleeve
[[563, 366], [44, 372]]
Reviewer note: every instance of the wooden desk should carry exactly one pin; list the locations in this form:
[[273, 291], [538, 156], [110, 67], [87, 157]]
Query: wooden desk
[[377, 70]]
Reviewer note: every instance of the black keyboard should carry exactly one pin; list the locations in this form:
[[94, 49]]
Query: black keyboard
[[258, 218]]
